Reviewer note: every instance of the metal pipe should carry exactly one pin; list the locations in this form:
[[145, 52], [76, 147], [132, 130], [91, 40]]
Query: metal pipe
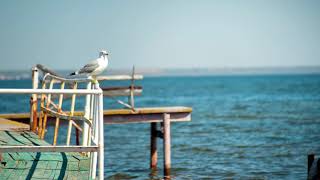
[[101, 136], [95, 139], [85, 132], [49, 91]]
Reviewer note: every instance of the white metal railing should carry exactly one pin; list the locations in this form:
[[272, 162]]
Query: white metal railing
[[95, 137], [48, 91]]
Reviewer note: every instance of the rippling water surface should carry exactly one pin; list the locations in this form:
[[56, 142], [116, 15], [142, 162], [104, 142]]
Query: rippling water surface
[[243, 127]]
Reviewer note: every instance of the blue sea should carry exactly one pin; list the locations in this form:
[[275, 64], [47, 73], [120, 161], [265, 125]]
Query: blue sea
[[243, 127]]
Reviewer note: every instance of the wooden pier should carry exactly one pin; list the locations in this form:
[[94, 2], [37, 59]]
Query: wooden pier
[[39, 165], [24, 153], [157, 117]]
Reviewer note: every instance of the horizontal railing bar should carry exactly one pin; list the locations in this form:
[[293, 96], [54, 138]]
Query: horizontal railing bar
[[4, 149], [50, 91], [70, 79], [120, 77]]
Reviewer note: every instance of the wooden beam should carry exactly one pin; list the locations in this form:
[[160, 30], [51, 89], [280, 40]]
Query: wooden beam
[[144, 118], [153, 110], [113, 118]]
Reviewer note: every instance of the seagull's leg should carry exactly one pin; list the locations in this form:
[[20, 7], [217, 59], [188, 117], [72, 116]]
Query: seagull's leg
[[94, 80]]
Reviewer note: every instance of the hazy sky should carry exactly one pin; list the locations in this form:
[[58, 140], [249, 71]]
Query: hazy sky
[[166, 34]]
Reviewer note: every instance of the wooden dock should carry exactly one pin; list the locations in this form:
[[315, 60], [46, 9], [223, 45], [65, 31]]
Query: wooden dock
[[25, 154], [39, 165], [155, 116]]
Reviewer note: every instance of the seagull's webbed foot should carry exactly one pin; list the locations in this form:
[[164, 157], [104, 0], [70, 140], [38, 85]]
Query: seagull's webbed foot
[[94, 81]]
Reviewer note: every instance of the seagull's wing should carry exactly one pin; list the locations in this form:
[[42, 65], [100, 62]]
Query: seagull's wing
[[89, 68]]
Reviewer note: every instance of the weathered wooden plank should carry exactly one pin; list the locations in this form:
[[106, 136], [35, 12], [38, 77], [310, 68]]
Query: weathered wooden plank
[[145, 118], [40, 169], [15, 174], [153, 110], [84, 175], [84, 165], [6, 124]]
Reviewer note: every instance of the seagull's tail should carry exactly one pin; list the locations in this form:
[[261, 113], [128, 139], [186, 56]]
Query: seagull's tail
[[74, 73]]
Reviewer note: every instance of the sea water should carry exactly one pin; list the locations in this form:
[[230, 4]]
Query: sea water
[[243, 127]]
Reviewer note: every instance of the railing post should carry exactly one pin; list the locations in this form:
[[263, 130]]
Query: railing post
[[85, 132], [94, 132], [101, 136], [34, 100]]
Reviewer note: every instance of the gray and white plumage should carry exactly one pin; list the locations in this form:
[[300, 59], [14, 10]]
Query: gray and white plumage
[[94, 67]]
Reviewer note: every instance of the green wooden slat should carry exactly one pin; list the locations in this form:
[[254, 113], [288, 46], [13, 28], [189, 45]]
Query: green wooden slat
[[21, 156], [23, 165], [5, 173], [33, 138], [74, 175], [73, 166], [18, 173], [9, 165], [15, 173], [49, 165], [52, 165], [84, 175], [17, 138], [84, 165]]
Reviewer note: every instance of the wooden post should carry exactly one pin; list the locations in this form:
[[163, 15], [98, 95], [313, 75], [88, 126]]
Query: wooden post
[[34, 102], [318, 168], [56, 128], [310, 161], [45, 116], [153, 146], [166, 145], [41, 112], [73, 101]]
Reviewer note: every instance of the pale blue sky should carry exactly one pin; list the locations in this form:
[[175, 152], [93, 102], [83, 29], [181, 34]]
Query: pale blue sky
[[165, 34]]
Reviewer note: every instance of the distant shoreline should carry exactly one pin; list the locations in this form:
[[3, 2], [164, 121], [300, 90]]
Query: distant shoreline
[[160, 72]]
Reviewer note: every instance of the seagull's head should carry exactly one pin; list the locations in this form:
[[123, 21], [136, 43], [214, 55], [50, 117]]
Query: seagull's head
[[103, 53]]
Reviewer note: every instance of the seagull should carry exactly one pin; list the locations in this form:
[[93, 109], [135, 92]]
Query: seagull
[[94, 67]]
